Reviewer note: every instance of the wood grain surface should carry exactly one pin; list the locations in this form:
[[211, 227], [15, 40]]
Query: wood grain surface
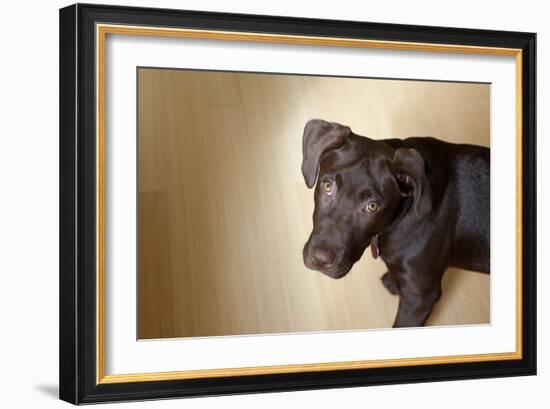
[[224, 211]]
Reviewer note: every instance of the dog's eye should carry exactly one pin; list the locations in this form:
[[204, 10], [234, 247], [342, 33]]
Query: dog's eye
[[372, 206], [327, 187]]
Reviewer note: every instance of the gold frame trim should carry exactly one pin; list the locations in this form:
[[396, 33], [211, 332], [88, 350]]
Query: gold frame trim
[[101, 33]]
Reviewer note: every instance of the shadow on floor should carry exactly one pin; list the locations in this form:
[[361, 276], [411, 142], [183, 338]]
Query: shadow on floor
[[51, 390]]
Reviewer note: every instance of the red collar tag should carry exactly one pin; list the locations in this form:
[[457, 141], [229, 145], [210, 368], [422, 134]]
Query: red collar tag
[[375, 251]]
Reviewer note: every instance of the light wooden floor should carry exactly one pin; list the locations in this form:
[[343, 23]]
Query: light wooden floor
[[224, 212]]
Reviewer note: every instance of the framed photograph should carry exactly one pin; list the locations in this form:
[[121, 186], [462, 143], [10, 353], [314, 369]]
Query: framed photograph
[[256, 203]]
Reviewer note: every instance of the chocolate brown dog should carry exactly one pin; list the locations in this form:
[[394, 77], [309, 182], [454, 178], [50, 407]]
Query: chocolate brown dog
[[420, 203]]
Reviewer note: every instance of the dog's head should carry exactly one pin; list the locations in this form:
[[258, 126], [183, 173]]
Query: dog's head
[[362, 186]]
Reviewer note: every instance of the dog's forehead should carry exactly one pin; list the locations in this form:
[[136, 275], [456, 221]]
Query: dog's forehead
[[358, 153]]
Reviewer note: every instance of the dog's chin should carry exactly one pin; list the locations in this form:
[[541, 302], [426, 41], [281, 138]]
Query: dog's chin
[[336, 272]]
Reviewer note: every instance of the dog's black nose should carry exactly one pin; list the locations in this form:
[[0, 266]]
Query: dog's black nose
[[321, 259]]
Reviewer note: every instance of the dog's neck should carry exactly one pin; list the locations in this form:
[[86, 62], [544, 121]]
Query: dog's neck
[[397, 231], [374, 249]]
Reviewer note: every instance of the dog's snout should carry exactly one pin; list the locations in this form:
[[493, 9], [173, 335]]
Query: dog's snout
[[321, 259]]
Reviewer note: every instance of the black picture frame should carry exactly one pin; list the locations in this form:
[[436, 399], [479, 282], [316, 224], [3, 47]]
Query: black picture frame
[[78, 235]]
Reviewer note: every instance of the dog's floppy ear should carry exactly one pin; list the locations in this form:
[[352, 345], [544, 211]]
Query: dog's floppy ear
[[410, 173], [319, 137]]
